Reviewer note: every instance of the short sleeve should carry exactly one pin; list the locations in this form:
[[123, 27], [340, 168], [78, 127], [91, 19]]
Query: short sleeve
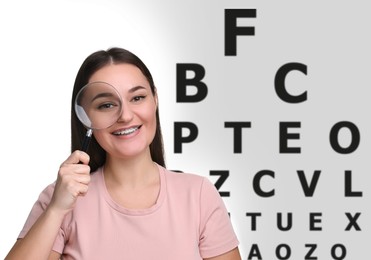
[[37, 209], [216, 232]]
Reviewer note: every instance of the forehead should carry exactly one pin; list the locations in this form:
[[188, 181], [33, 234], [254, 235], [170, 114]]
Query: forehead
[[121, 76]]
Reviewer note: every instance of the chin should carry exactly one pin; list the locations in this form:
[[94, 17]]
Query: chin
[[133, 152]]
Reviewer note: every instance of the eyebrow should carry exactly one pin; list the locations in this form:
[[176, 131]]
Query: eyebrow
[[102, 95], [136, 88]]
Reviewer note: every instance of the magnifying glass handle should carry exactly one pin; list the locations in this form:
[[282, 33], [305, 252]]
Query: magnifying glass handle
[[87, 139]]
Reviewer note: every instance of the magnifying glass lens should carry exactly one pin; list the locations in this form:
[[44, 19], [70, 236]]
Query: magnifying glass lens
[[98, 105]]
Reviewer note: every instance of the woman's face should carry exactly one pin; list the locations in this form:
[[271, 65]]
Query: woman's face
[[135, 129]]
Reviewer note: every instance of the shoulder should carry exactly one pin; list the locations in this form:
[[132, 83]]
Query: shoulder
[[189, 182], [46, 195], [183, 179], [183, 176]]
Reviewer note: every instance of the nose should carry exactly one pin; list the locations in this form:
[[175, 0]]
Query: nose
[[126, 113]]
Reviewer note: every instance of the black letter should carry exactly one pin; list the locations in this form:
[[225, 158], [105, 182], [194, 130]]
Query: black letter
[[343, 252], [182, 82], [256, 183], [334, 134], [284, 136], [313, 220], [253, 219], [254, 252], [232, 30], [278, 252], [348, 186], [179, 138], [353, 221], [223, 177], [309, 256], [279, 83], [289, 222], [308, 189], [237, 134]]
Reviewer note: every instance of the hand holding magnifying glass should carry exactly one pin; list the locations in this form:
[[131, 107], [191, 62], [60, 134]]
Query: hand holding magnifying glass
[[98, 105]]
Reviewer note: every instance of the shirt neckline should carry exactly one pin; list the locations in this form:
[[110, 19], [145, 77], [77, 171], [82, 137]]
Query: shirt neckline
[[135, 212]]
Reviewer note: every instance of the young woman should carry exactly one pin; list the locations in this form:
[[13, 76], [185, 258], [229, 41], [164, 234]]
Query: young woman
[[118, 201]]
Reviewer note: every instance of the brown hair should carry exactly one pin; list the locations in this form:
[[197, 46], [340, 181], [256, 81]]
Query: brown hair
[[93, 63]]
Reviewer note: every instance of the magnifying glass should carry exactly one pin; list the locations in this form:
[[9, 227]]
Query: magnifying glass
[[98, 105]]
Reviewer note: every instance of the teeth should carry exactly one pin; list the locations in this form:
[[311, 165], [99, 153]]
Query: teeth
[[126, 131]]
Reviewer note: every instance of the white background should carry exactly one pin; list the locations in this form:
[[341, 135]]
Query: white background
[[43, 43]]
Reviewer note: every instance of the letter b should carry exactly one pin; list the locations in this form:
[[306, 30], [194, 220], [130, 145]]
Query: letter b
[[182, 82]]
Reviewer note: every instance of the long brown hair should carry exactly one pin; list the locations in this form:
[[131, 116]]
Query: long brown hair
[[92, 63]]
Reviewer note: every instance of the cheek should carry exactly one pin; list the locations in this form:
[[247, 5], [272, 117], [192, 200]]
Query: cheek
[[151, 122], [98, 136], [148, 113]]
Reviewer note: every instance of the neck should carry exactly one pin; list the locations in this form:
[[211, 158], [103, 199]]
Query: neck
[[132, 172]]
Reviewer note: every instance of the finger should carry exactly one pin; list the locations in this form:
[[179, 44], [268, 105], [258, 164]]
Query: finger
[[80, 168], [83, 179], [80, 190], [77, 157], [84, 158], [84, 190], [68, 169]]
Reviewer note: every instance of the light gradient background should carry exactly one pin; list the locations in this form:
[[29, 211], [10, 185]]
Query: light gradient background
[[43, 43]]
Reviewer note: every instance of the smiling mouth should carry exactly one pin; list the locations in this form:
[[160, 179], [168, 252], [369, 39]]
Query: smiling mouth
[[127, 131]]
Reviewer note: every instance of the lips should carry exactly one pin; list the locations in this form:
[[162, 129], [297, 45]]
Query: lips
[[126, 131]]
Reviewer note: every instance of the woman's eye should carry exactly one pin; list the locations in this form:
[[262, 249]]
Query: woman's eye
[[138, 98], [106, 106]]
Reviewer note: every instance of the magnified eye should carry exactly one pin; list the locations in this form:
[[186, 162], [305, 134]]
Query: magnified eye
[[98, 105], [106, 106]]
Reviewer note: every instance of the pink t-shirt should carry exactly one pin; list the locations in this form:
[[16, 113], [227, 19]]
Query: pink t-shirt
[[189, 221]]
